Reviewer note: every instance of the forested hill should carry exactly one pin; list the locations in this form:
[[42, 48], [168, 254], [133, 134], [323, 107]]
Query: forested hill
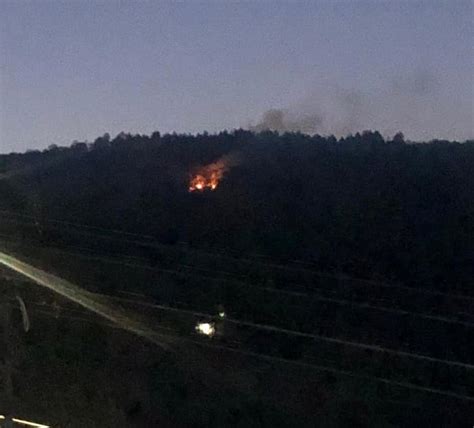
[[360, 205]]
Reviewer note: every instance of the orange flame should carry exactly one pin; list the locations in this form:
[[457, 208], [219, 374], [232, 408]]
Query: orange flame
[[209, 176], [205, 180]]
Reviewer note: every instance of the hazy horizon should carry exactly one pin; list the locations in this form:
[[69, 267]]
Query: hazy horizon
[[73, 71]]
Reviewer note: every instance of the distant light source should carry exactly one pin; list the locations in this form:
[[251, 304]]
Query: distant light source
[[222, 314], [206, 328]]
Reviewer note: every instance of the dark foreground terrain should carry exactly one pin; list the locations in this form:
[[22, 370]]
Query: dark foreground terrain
[[344, 268]]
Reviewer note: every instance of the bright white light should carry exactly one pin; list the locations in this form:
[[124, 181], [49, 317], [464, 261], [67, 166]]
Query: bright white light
[[205, 328], [28, 423], [222, 314], [32, 424]]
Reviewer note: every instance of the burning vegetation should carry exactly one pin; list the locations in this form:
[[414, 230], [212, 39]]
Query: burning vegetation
[[204, 181], [209, 176]]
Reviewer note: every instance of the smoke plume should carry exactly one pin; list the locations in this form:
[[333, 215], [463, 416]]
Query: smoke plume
[[281, 121], [416, 103]]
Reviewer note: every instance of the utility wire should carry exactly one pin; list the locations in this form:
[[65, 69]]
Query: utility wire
[[338, 371], [270, 264], [79, 225], [321, 368], [240, 283], [297, 333]]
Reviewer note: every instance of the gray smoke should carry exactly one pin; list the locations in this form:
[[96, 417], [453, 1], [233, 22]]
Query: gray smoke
[[421, 83], [281, 121], [419, 104]]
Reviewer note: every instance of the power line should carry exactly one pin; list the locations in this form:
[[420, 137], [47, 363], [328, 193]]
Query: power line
[[299, 333], [272, 328], [239, 283], [79, 296], [113, 326], [328, 369], [84, 226], [57, 311], [271, 264], [338, 371], [296, 333], [374, 307], [89, 250]]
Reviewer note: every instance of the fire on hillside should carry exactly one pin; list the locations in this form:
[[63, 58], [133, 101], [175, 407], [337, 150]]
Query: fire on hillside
[[208, 177]]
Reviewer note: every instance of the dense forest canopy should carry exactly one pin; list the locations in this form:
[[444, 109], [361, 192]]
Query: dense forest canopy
[[275, 228], [362, 205]]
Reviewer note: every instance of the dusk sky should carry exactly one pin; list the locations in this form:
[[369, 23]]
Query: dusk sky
[[73, 70]]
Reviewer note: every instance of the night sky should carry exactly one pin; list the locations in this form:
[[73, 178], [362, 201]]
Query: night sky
[[73, 70]]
